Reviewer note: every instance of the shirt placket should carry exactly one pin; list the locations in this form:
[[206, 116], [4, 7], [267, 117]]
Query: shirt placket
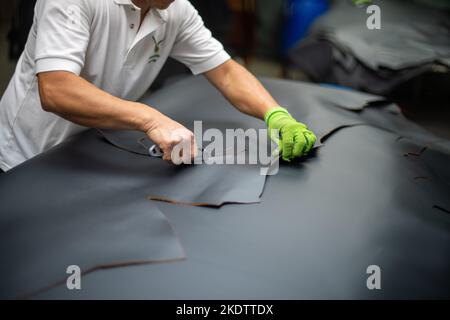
[[133, 19]]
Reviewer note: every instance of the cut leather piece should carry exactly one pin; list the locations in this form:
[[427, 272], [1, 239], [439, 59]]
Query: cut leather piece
[[210, 185], [198, 184], [69, 207], [207, 185], [321, 221]]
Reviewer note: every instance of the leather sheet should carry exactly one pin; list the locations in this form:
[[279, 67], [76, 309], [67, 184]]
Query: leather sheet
[[321, 222]]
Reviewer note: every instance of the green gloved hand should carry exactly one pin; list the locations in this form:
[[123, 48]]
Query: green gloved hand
[[294, 139]]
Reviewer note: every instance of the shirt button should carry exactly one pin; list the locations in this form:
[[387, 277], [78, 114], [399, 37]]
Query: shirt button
[[132, 26]]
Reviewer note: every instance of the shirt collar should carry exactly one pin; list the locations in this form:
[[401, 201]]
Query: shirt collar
[[161, 13], [124, 2]]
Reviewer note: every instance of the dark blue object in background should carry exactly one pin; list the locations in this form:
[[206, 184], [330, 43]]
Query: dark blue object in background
[[300, 14]]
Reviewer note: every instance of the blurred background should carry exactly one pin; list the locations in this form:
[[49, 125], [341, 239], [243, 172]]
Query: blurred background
[[322, 41]]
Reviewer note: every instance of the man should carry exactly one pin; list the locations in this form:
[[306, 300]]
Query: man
[[86, 62]]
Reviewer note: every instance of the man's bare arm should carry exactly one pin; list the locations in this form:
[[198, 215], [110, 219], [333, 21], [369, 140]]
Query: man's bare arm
[[79, 101], [242, 89]]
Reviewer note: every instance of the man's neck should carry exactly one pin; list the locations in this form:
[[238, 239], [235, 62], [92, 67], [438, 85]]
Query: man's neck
[[143, 4], [145, 7]]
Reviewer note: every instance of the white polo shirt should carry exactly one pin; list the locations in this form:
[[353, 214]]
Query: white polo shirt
[[101, 41]]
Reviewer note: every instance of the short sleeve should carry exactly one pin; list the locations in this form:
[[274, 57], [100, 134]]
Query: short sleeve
[[194, 45], [63, 33]]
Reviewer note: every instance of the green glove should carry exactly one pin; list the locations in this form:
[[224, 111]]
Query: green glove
[[295, 139], [361, 2]]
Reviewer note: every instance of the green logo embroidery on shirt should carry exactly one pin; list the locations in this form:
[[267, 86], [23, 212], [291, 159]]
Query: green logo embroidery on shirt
[[155, 56]]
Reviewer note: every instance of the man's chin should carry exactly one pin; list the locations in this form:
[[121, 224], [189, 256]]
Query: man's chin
[[163, 6]]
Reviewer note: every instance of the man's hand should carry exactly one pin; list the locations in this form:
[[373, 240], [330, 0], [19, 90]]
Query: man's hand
[[167, 134], [294, 140]]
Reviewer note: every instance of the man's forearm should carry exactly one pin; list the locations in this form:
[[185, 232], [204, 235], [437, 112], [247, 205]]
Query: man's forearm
[[78, 101], [242, 89]]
